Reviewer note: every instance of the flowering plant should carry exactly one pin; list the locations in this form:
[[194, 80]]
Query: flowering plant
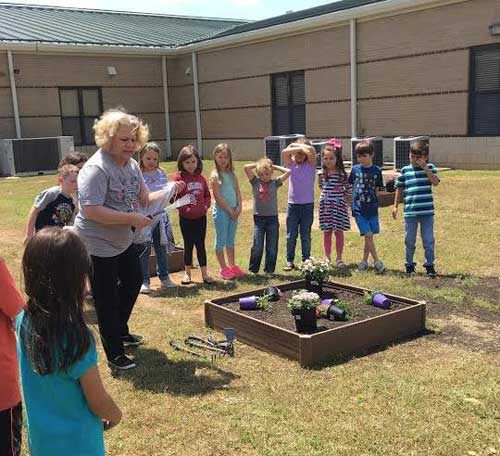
[[316, 269], [304, 300]]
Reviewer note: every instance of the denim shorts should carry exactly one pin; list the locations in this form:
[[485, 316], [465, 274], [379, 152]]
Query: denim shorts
[[367, 225]]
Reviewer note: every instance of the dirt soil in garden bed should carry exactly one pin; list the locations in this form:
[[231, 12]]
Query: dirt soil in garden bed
[[281, 316]]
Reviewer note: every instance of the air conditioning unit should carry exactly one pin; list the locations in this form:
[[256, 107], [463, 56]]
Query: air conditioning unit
[[33, 156], [402, 146], [273, 145], [318, 145], [378, 146]]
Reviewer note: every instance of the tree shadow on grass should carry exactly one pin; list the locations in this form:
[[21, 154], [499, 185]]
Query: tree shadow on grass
[[157, 373]]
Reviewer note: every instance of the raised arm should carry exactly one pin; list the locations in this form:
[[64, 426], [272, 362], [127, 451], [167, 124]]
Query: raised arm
[[285, 172], [250, 170]]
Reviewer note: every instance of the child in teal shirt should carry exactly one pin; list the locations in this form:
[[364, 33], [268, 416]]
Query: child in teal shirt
[[66, 404]]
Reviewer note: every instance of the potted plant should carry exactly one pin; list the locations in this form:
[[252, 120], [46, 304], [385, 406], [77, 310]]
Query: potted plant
[[256, 303], [334, 309], [315, 273], [377, 299], [303, 308]]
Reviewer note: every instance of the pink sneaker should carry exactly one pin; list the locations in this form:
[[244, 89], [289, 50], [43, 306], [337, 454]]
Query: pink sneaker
[[227, 273], [237, 271]]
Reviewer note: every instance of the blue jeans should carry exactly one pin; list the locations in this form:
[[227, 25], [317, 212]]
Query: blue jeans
[[266, 229], [427, 233], [299, 217], [161, 257]]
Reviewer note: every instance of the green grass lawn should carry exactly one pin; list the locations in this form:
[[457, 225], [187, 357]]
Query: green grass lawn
[[435, 395]]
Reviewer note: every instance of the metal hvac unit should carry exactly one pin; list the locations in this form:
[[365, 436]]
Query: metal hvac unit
[[378, 146], [275, 144], [318, 145], [32, 156], [402, 146]]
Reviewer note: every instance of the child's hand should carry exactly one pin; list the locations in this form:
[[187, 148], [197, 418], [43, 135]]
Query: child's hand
[[421, 162], [394, 212], [180, 185]]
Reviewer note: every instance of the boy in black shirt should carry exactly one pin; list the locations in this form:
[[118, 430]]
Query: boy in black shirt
[[54, 206]]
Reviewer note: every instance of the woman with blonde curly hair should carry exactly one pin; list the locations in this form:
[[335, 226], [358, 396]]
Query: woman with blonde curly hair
[[110, 190]]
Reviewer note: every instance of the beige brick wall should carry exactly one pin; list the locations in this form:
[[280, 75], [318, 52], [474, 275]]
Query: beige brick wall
[[328, 84], [39, 127], [7, 128], [178, 144], [328, 119], [38, 101], [4, 70], [432, 115], [181, 98], [156, 124], [134, 99], [176, 70], [236, 123], [415, 75], [466, 153], [446, 27], [41, 70], [326, 47], [238, 93], [6, 109], [182, 125], [241, 149]]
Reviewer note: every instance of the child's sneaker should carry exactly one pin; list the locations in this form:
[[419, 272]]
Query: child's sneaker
[[289, 266], [227, 273], [430, 271], [410, 269], [167, 283], [363, 266], [145, 289], [379, 267], [237, 271], [121, 362]]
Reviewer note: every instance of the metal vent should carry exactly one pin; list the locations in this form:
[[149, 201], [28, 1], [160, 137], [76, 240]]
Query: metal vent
[[33, 156], [378, 146], [275, 144], [402, 146]]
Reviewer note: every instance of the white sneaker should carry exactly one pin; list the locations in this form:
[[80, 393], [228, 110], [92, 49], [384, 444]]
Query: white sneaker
[[363, 266], [167, 283], [145, 289], [379, 267]]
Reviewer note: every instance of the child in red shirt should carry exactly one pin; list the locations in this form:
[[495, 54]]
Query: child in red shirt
[[11, 418], [193, 217]]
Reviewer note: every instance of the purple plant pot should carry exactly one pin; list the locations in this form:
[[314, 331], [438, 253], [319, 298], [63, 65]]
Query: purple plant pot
[[248, 303], [382, 301]]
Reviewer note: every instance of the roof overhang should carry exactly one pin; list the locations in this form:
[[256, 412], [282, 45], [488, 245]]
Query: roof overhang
[[335, 19]]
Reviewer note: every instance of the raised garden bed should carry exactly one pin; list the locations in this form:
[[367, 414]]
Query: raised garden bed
[[274, 331]]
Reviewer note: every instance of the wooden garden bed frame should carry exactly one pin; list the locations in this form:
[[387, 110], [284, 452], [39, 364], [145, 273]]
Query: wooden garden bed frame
[[310, 349]]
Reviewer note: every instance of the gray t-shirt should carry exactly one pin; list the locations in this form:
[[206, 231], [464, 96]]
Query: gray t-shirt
[[265, 196], [102, 182]]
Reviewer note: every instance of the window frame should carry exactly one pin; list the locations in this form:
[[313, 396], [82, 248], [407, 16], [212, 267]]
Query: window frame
[[473, 92], [81, 115], [290, 104]]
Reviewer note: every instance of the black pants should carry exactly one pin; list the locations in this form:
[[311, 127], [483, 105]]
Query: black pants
[[116, 282], [11, 423], [194, 232]]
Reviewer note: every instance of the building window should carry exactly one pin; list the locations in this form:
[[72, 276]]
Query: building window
[[288, 103], [79, 108], [484, 105]]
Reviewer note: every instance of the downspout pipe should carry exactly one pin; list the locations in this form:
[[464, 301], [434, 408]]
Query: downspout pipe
[[168, 137], [197, 104], [13, 90], [354, 79]]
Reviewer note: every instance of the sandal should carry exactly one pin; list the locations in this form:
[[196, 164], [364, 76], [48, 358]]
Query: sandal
[[186, 280], [340, 264], [208, 280]]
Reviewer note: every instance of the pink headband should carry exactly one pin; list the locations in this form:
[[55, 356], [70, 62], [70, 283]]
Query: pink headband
[[335, 143]]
